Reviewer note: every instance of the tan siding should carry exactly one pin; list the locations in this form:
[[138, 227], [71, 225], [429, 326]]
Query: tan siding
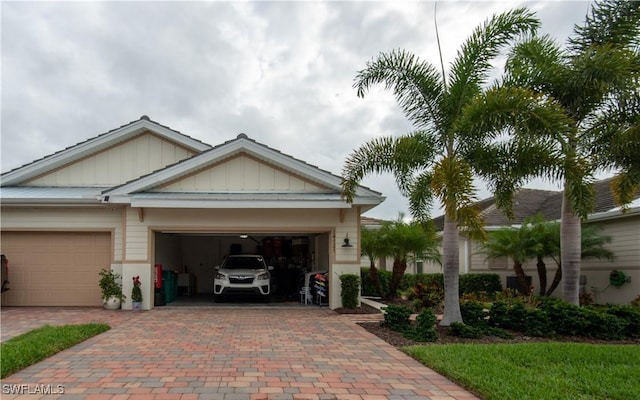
[[118, 164]]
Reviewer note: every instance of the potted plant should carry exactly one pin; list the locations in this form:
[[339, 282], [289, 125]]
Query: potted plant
[[136, 294], [112, 296]]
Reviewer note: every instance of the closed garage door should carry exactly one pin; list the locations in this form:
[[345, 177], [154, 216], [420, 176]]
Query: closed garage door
[[55, 268]]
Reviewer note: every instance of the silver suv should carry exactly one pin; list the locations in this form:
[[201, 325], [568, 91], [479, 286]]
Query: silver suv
[[246, 273]]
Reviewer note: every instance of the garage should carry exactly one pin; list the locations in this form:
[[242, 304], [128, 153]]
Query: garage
[[193, 256], [55, 268], [163, 197]]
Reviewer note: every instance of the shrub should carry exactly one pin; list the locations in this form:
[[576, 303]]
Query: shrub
[[424, 330], [508, 315], [537, 323], [601, 325], [396, 318], [350, 285], [473, 313], [567, 319], [632, 317], [367, 287], [480, 283], [427, 295], [465, 331]]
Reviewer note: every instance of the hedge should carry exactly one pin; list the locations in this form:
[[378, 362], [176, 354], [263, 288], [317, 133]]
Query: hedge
[[469, 283]]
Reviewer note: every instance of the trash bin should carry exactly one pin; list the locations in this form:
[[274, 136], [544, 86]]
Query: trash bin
[[169, 286]]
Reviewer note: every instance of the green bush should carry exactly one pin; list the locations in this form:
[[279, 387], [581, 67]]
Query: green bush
[[465, 331], [631, 315], [480, 283], [537, 323], [508, 315], [367, 287], [396, 318], [602, 325], [350, 285], [424, 330], [473, 313], [567, 319], [427, 295]]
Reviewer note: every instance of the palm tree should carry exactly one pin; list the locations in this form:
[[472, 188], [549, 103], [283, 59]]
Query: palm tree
[[403, 241], [439, 159], [595, 80], [372, 245], [519, 244]]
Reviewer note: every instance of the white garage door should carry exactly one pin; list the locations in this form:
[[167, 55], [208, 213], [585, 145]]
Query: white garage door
[[55, 268]]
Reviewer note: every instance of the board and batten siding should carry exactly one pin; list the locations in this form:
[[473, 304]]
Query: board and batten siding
[[241, 173], [66, 220], [118, 164], [625, 244]]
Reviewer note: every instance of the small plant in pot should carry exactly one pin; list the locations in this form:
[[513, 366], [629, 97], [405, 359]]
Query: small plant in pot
[[136, 294], [112, 296]]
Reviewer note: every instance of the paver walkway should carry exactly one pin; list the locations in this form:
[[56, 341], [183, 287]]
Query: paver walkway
[[222, 353]]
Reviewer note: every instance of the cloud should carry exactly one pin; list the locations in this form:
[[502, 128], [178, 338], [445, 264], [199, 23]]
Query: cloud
[[281, 72]]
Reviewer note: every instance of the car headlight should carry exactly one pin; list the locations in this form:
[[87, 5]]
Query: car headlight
[[220, 276], [263, 276]]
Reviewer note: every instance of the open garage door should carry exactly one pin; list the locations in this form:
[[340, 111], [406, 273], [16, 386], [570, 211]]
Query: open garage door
[[193, 256], [55, 268]]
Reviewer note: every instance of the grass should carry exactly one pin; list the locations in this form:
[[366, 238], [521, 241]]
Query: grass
[[538, 371], [29, 348]]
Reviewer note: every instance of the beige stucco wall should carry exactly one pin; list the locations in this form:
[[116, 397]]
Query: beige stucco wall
[[121, 163]]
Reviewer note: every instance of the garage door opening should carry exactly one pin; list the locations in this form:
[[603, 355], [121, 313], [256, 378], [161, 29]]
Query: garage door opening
[[189, 261]]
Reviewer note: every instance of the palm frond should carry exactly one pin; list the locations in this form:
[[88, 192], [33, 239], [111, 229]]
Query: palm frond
[[610, 21], [469, 70], [416, 84]]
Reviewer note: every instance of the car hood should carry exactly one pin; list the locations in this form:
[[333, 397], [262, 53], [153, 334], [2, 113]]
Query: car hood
[[243, 271]]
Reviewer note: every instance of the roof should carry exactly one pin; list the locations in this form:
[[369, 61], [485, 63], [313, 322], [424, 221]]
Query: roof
[[140, 192], [528, 202], [97, 144]]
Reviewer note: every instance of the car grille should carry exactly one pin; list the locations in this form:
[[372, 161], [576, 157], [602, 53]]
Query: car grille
[[241, 279]]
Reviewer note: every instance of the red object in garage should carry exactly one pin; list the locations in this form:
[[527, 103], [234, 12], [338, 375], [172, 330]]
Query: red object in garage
[[157, 278]]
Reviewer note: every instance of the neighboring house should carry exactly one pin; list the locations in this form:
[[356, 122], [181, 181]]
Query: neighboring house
[[144, 194], [623, 228]]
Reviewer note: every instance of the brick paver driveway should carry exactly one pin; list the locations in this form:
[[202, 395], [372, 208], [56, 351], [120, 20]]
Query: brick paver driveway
[[222, 353]]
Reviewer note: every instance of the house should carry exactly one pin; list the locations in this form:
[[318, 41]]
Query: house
[[622, 227], [144, 194]]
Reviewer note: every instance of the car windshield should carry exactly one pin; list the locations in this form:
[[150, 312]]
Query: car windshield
[[243, 263]]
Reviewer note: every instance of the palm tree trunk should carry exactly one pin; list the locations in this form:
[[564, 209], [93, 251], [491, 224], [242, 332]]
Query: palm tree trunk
[[451, 270], [399, 267], [521, 279], [570, 232], [375, 279], [542, 275], [557, 277]]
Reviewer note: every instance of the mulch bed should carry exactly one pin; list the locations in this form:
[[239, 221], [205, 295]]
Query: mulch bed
[[397, 340]]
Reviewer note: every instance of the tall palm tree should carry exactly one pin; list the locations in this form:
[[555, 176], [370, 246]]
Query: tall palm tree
[[438, 160], [596, 81]]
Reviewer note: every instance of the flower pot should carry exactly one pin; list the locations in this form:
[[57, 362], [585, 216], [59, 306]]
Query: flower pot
[[137, 305], [112, 303]]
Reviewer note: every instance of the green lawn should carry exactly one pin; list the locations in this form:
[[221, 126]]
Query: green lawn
[[538, 371], [22, 351]]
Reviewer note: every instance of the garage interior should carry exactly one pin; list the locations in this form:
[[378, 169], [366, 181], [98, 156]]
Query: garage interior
[[192, 257]]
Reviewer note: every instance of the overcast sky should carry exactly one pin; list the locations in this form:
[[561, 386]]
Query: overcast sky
[[281, 72]]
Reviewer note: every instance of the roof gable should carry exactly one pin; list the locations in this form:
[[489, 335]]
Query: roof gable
[[194, 177], [55, 166]]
